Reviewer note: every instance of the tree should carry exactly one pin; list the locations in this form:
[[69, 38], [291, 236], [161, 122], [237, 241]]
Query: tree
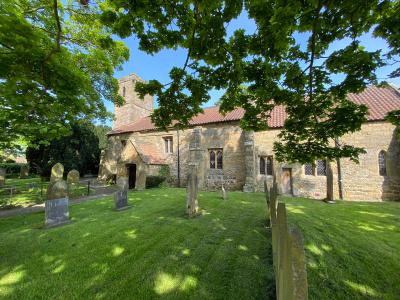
[[56, 66], [101, 133], [79, 150], [266, 68]]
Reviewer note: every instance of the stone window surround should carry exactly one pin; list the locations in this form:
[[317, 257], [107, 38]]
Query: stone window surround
[[382, 162], [216, 161], [315, 169], [266, 157], [168, 144]]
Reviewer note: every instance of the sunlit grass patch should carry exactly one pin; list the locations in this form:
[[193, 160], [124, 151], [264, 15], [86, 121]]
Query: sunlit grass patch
[[150, 251], [352, 248]]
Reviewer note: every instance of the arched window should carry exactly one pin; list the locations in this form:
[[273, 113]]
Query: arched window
[[219, 159], [212, 159], [382, 163], [262, 165], [123, 91]]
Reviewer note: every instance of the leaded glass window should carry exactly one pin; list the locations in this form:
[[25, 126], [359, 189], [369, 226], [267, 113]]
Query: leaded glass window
[[382, 163], [321, 167]]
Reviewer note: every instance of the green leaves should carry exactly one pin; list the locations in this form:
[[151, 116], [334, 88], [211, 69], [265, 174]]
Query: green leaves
[[56, 66], [268, 67]]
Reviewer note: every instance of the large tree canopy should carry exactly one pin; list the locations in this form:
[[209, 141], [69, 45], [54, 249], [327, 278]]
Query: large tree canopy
[[79, 150], [56, 66], [268, 67]]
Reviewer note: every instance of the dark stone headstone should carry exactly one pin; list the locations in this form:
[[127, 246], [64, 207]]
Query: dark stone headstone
[[57, 212], [121, 200]]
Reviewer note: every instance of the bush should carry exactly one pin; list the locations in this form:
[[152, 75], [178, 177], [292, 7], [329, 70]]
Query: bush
[[12, 168], [154, 181]]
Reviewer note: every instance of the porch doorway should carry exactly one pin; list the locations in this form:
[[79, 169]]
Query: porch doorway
[[286, 181], [131, 168]]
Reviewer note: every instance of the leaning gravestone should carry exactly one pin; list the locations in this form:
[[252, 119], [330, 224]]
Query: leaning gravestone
[[2, 176], [57, 172], [24, 172], [73, 177], [57, 204], [121, 196]]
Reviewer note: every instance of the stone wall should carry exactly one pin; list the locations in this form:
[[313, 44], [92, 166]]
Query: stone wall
[[360, 181], [134, 107]]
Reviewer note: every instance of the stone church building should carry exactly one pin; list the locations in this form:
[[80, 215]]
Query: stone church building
[[244, 160]]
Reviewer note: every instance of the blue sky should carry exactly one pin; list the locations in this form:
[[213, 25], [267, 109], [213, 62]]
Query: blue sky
[[158, 66]]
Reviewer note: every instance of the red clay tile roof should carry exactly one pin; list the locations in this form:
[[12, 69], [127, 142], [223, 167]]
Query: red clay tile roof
[[149, 152], [380, 101]]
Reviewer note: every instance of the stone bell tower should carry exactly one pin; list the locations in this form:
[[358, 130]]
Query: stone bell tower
[[134, 108]]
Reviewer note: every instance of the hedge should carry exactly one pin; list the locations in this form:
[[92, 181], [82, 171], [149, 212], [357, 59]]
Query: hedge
[[154, 181], [12, 168]]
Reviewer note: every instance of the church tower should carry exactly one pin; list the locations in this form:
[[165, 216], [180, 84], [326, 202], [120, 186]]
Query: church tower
[[134, 108]]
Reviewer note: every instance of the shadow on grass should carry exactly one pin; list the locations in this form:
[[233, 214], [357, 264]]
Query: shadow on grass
[[150, 251], [352, 248]]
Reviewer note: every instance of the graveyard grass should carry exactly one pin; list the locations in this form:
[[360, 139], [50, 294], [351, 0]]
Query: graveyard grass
[[352, 248], [23, 197], [148, 251]]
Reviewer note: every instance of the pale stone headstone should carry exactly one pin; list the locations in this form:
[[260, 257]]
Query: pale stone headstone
[[57, 204], [73, 177], [24, 172], [122, 183], [2, 176], [57, 172], [192, 208], [224, 193], [300, 284]]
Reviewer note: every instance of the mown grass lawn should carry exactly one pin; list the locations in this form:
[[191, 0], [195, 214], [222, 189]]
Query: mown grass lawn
[[147, 252], [352, 248], [30, 191]]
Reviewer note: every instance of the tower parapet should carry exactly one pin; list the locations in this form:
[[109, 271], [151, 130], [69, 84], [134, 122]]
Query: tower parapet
[[134, 108]]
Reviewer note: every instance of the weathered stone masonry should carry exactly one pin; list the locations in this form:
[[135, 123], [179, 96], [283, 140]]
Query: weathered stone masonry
[[145, 147]]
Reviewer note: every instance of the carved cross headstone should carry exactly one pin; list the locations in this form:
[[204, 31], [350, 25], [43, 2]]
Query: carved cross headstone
[[2, 176], [73, 177], [24, 172]]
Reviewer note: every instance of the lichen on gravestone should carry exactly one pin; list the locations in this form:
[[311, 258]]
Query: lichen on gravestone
[[57, 172], [73, 177], [57, 190]]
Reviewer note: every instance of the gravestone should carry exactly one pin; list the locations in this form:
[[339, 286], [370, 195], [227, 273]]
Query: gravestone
[[73, 177], [122, 183], [57, 172], [192, 207], [2, 176], [121, 196], [121, 200], [24, 172], [57, 204], [224, 193]]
